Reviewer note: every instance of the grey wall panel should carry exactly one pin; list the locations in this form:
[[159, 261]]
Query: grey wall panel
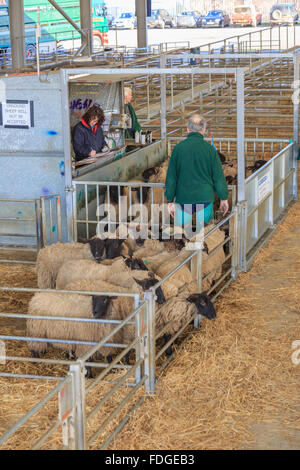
[[46, 133], [30, 177]]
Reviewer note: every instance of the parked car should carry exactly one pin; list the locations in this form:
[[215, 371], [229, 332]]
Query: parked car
[[124, 21], [283, 13], [188, 19], [110, 19], [218, 18], [246, 15], [155, 21], [163, 19]]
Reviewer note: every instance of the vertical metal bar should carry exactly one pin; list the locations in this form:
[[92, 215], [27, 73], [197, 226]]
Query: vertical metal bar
[[58, 215], [74, 211], [51, 218], [44, 222], [296, 124], [79, 395], [86, 210], [138, 347], [243, 236], [279, 37], [240, 104], [67, 150], [163, 94], [39, 231], [198, 267], [271, 198], [150, 346]]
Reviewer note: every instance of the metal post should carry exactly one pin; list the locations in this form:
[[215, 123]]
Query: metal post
[[79, 394], [67, 150], [240, 111], [38, 218], [296, 123], [139, 345], [58, 215], [197, 272], [86, 24], [84, 37], [233, 233], [243, 236], [141, 13], [150, 346], [163, 95], [17, 33]]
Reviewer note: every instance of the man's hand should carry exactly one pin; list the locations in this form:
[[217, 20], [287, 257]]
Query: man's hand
[[224, 206], [92, 153], [172, 208]]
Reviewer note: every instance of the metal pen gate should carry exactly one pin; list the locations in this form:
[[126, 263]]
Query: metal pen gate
[[36, 219]]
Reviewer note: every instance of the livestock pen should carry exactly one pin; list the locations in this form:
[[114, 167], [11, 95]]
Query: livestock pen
[[270, 190]]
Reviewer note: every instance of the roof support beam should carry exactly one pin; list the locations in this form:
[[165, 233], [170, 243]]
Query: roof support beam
[[86, 24], [17, 33], [141, 13]]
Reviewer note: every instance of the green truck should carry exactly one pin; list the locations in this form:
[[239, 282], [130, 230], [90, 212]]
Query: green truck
[[54, 27]]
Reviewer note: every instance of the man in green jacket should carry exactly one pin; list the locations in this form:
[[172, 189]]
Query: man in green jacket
[[133, 126], [194, 174]]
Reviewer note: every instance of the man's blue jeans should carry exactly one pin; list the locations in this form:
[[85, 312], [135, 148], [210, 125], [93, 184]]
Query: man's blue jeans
[[184, 214]]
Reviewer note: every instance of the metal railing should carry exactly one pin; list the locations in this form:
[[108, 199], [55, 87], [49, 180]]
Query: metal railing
[[268, 192], [73, 418], [39, 219], [94, 212], [213, 282], [263, 40]]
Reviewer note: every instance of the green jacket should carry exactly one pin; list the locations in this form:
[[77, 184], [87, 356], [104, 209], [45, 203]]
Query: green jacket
[[195, 172], [136, 127]]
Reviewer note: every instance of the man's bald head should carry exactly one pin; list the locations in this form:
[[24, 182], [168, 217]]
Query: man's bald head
[[196, 123], [127, 94]]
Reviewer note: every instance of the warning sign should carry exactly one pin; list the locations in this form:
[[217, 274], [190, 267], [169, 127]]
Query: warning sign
[[17, 114]]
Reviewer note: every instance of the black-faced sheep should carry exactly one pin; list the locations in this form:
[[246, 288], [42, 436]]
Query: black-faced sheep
[[52, 257], [72, 271], [66, 305]]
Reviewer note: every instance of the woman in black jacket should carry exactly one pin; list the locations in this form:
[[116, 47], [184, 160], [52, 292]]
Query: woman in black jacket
[[87, 135]]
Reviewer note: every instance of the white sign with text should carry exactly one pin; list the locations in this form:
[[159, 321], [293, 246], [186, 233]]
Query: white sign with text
[[264, 186], [16, 114]]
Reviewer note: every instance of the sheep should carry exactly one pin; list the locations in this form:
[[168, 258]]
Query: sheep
[[150, 247], [67, 305], [163, 263], [176, 313], [119, 308], [75, 270], [217, 259], [256, 166], [181, 309], [50, 258]]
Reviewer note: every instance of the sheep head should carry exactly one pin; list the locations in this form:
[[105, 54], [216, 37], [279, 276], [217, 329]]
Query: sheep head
[[149, 172], [97, 247], [100, 305], [136, 263], [149, 282], [204, 305], [113, 247], [145, 194], [222, 156]]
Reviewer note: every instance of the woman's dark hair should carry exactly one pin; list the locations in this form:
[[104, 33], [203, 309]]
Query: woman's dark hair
[[94, 111]]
